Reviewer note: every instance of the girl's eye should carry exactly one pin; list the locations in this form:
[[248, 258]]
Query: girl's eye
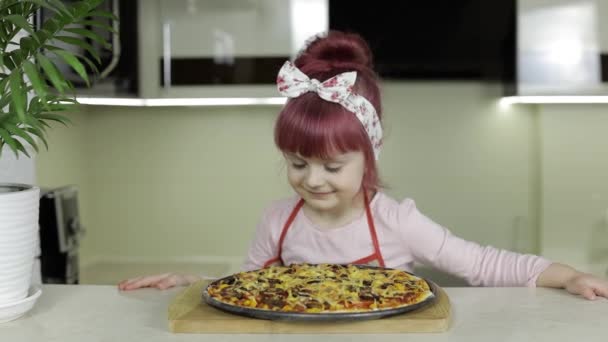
[[332, 169], [298, 166]]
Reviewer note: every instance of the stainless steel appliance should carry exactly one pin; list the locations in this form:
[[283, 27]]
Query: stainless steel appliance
[[60, 234]]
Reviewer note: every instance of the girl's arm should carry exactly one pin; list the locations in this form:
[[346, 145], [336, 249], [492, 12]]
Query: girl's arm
[[489, 266], [576, 282], [434, 245]]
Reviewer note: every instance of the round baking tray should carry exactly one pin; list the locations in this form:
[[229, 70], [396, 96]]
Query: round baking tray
[[322, 316]]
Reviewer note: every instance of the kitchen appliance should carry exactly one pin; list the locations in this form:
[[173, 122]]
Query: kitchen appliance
[[60, 234]]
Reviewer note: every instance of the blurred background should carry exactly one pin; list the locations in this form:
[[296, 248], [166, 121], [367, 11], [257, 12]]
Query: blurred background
[[495, 120]]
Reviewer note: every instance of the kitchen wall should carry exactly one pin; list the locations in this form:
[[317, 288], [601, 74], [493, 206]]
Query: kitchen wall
[[185, 183], [574, 185]]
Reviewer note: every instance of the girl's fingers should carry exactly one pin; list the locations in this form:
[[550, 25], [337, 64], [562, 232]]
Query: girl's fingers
[[602, 291], [167, 283], [597, 287], [147, 281], [124, 284], [121, 284], [160, 281], [140, 282], [588, 293]]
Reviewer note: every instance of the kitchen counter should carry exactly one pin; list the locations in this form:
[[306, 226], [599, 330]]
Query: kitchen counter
[[101, 313]]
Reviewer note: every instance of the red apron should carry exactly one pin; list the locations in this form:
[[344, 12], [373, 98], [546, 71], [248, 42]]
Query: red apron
[[374, 259]]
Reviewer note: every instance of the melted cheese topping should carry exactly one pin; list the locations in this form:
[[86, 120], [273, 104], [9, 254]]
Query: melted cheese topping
[[321, 288]]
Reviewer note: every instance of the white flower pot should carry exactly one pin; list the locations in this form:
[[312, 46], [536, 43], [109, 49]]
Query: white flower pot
[[19, 208]]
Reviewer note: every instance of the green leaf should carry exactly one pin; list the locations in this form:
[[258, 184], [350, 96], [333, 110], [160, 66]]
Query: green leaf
[[105, 14], [97, 24], [74, 63], [80, 43], [5, 100], [34, 107], [90, 63], [16, 131], [6, 6], [42, 36], [8, 61], [27, 45], [51, 71], [54, 117], [70, 84], [80, 9], [43, 124], [20, 22], [53, 5], [59, 6], [17, 57], [3, 36], [3, 84], [58, 107], [39, 133], [51, 26], [15, 145], [8, 140], [89, 34], [18, 94], [32, 73]]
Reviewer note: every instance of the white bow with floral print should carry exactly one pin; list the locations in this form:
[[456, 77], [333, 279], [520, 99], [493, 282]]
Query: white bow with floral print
[[292, 82]]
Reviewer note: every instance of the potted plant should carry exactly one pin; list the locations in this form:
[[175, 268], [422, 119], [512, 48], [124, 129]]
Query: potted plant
[[33, 93]]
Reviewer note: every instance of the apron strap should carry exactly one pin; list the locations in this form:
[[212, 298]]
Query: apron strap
[[372, 230], [286, 226]]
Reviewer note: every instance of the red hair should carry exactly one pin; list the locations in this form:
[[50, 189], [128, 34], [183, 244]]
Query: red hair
[[313, 127]]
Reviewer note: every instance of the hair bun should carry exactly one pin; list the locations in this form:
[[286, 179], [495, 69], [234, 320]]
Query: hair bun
[[338, 49]]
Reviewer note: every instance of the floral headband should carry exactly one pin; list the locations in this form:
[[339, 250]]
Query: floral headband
[[292, 82]]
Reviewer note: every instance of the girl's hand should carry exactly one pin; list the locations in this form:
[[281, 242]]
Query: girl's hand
[[159, 281], [587, 285]]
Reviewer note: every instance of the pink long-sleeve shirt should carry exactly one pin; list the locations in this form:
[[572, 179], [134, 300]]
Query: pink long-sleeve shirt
[[405, 237]]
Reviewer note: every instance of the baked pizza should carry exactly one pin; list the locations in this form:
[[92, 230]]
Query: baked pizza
[[321, 288]]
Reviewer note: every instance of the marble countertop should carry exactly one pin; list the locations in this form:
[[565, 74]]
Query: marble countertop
[[101, 313]]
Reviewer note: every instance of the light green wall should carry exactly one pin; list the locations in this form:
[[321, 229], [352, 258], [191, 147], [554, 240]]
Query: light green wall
[[470, 165], [173, 182], [575, 183], [65, 162], [179, 183]]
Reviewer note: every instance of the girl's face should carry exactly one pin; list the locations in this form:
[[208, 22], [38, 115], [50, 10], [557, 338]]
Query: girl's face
[[326, 184]]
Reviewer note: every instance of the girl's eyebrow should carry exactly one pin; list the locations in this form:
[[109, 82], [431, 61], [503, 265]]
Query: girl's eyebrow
[[339, 159], [293, 156]]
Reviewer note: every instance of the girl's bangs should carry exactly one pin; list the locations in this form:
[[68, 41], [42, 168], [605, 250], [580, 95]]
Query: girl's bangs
[[320, 129]]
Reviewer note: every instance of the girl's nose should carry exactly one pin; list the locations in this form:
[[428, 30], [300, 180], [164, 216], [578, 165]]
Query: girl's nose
[[314, 177]]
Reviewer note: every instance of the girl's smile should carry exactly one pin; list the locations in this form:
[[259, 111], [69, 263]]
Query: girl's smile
[[330, 188]]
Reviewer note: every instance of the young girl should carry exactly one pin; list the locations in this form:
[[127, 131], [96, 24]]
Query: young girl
[[331, 136]]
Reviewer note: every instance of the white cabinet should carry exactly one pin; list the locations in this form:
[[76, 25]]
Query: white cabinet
[[221, 48], [562, 47]]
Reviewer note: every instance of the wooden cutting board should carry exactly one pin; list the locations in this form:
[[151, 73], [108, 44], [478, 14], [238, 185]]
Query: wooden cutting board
[[188, 313]]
